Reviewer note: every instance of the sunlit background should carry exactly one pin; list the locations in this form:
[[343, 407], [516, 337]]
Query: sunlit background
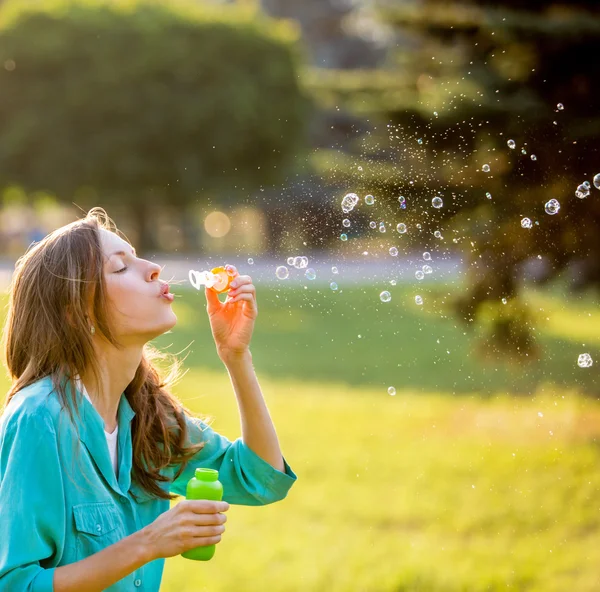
[[429, 354]]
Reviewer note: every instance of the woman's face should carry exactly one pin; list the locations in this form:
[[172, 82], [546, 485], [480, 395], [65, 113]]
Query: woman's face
[[138, 310]]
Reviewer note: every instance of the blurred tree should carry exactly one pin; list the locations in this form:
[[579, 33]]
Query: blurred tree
[[461, 80], [144, 102]]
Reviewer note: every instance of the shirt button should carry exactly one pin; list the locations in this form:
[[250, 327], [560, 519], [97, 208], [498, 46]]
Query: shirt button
[[137, 583], [98, 528]]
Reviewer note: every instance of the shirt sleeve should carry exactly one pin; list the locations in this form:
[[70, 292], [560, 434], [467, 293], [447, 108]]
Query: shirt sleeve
[[247, 479], [32, 512]]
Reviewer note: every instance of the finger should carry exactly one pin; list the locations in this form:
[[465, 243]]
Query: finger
[[205, 519], [247, 288], [241, 280], [213, 303], [243, 297], [206, 541], [206, 506]]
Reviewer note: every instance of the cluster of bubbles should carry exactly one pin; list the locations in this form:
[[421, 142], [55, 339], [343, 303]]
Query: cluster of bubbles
[[349, 202], [301, 262], [552, 207], [584, 360], [210, 279], [583, 190]]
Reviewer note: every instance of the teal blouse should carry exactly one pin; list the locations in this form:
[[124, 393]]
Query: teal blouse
[[60, 500]]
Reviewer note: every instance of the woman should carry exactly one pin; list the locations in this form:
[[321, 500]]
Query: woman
[[92, 444]]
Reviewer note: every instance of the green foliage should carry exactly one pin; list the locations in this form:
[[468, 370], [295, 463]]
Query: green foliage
[[130, 97], [461, 79]]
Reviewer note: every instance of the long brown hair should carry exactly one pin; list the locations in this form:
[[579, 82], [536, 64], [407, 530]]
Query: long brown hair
[[57, 285]]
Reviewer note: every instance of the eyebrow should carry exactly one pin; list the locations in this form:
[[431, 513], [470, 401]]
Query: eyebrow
[[123, 253]]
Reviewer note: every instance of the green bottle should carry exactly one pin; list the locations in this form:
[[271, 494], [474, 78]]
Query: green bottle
[[204, 485]]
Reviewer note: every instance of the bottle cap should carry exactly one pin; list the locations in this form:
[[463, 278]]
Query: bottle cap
[[207, 474]]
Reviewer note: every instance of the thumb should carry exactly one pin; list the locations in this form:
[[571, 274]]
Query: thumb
[[213, 303]]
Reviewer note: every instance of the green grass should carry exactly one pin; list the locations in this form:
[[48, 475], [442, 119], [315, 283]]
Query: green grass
[[314, 334], [423, 491], [418, 492], [410, 492]]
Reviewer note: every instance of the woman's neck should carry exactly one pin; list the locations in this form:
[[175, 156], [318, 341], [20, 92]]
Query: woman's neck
[[117, 370]]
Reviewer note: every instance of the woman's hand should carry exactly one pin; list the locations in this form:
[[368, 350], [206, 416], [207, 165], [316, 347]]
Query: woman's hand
[[232, 321], [189, 524]]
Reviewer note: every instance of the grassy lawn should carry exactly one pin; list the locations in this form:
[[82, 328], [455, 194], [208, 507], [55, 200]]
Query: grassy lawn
[[351, 337], [412, 492], [421, 491]]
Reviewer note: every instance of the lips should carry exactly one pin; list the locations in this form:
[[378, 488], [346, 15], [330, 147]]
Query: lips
[[164, 292]]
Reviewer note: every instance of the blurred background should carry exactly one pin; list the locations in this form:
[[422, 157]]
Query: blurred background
[[430, 356]]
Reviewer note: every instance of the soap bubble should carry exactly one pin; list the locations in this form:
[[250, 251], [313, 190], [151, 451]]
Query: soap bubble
[[420, 141], [418, 300], [333, 286], [231, 270], [437, 202], [523, 151], [393, 251], [250, 261], [381, 227], [427, 256], [334, 269], [393, 282], [343, 237], [373, 224], [552, 207], [202, 278], [526, 223], [360, 168], [290, 260], [587, 184], [282, 272], [391, 391], [401, 228], [512, 144], [488, 195], [560, 107], [533, 157], [369, 200], [349, 201], [504, 300], [485, 168], [346, 222], [427, 269], [437, 234], [582, 191], [584, 360], [310, 274], [597, 181], [419, 274], [385, 296]]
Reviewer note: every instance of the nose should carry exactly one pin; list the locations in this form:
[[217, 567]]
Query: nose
[[153, 271]]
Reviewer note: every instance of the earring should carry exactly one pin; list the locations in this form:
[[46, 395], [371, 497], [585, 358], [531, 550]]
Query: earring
[[92, 329]]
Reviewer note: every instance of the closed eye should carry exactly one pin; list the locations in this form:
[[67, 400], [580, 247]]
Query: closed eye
[[121, 270]]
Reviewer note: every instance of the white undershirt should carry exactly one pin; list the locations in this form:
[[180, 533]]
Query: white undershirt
[[111, 439]]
